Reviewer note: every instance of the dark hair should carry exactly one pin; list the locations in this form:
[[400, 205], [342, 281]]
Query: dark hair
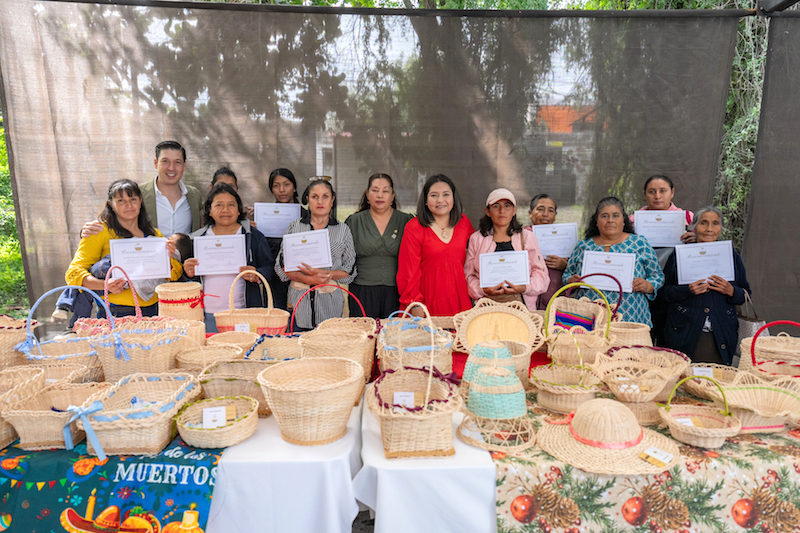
[[216, 190], [170, 145], [313, 184], [224, 171], [594, 231], [363, 205], [658, 177], [535, 200], [286, 173], [125, 187], [424, 214], [183, 243], [485, 226]]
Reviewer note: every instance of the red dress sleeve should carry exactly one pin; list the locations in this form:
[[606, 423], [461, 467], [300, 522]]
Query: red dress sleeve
[[409, 273]]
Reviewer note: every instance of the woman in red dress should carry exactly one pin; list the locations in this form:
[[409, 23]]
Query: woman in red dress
[[431, 261]]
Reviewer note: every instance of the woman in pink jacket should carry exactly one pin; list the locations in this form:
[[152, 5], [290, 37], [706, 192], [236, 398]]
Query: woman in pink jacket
[[500, 231]]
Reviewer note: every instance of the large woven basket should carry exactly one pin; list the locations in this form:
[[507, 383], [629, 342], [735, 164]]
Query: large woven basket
[[17, 383], [772, 356], [236, 378], [763, 405], [507, 321], [670, 360], [121, 429], [275, 348], [581, 345], [66, 373], [12, 332], [195, 359], [263, 321], [413, 341], [181, 300], [41, 419], [701, 426], [141, 353], [312, 399], [190, 422], [722, 374]]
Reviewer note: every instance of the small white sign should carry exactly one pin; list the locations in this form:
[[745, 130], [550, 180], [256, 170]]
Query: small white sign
[[405, 399], [214, 417], [242, 327], [657, 456], [704, 371]]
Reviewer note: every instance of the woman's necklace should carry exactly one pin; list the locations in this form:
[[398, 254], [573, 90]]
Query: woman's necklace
[[444, 230]]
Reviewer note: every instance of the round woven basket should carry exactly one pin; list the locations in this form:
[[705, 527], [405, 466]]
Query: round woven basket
[[722, 374], [637, 377], [413, 341], [12, 332], [240, 339], [237, 377], [762, 405], [772, 356], [510, 436], [507, 321], [312, 398], [673, 363], [195, 359], [582, 346], [181, 300], [646, 412], [704, 427], [488, 353], [630, 334], [263, 321], [497, 394], [344, 337], [190, 422]]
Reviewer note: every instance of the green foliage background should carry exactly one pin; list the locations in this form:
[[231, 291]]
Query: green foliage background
[[13, 294]]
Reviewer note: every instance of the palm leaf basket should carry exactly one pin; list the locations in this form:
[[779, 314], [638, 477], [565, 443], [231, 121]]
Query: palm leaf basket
[[190, 422], [263, 321], [150, 353], [237, 377], [17, 383], [763, 405], [182, 300], [701, 426], [413, 341], [195, 359], [12, 332], [670, 360], [722, 374], [780, 355]]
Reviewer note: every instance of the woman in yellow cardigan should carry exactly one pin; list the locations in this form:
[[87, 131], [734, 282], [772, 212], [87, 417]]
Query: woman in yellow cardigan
[[124, 217]]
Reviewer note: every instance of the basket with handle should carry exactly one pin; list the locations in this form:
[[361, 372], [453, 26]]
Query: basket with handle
[[150, 353], [780, 354], [260, 320], [181, 299], [71, 350], [356, 342], [12, 332], [562, 348], [195, 359], [424, 429], [585, 305], [667, 358], [17, 383], [190, 422], [238, 377], [763, 405], [419, 339], [722, 374], [701, 426]]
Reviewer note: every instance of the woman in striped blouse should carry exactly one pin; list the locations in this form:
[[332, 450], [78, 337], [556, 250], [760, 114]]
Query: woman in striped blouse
[[326, 302]]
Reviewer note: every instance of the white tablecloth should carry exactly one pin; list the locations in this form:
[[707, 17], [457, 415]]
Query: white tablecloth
[[265, 484], [417, 495]]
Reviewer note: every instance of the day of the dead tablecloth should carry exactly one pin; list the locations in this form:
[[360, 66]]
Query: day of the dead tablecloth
[[750, 485], [57, 490]]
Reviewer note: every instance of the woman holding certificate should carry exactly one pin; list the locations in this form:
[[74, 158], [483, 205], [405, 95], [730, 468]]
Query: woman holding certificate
[[610, 231], [430, 267], [543, 211], [283, 186], [377, 229], [316, 249], [124, 217], [242, 247], [701, 315], [499, 232]]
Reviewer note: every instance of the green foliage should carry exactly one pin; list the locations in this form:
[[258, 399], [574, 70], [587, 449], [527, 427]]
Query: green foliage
[[13, 292]]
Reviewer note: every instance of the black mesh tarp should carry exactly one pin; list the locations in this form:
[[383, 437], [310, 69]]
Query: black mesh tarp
[[770, 247], [578, 107]]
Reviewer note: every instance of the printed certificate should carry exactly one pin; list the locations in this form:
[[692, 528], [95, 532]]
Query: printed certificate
[[621, 266], [310, 247], [219, 254], [498, 267], [140, 258], [660, 228], [556, 239], [703, 259], [272, 219]]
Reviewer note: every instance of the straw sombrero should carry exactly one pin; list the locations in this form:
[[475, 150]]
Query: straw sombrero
[[603, 437]]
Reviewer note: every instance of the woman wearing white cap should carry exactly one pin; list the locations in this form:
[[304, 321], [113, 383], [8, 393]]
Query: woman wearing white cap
[[500, 231]]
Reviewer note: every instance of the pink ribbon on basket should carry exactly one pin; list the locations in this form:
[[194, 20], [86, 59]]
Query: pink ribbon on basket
[[595, 443]]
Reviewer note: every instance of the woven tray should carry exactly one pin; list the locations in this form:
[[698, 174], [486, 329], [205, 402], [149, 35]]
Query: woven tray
[[222, 437], [17, 383], [508, 321], [762, 405]]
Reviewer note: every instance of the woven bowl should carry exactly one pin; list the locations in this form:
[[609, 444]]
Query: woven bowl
[[701, 387], [190, 421], [237, 377], [241, 339]]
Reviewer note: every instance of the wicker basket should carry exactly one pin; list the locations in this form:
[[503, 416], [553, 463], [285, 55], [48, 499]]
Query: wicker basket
[[41, 419], [275, 348], [630, 334], [670, 360], [263, 321], [181, 300], [240, 339], [141, 353], [121, 429], [190, 422], [195, 359], [633, 378], [763, 405], [646, 412], [507, 321], [312, 398], [346, 337], [497, 394], [236, 378], [581, 345], [722, 374], [714, 425], [66, 373], [12, 332], [488, 353], [17, 383], [521, 355], [413, 341], [780, 354]]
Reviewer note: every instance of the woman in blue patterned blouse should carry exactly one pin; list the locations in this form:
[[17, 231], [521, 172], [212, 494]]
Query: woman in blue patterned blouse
[[610, 230]]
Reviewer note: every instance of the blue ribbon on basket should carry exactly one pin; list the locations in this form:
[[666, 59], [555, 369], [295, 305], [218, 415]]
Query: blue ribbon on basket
[[119, 350], [27, 345], [83, 413]]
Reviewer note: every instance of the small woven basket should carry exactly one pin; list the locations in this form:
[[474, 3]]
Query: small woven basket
[[12, 332], [497, 394], [630, 334], [17, 383], [41, 419], [488, 353], [124, 428], [344, 337], [413, 341], [190, 421], [240, 339], [722, 374], [140, 353], [714, 425], [263, 321], [762, 405], [181, 300], [634, 376], [780, 354], [236, 378], [673, 362], [195, 359], [275, 348], [312, 398], [66, 373]]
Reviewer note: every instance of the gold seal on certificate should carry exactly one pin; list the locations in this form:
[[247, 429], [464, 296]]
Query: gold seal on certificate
[[310, 247], [621, 266], [219, 254], [660, 228], [704, 259], [140, 258], [499, 267], [556, 239], [273, 219]]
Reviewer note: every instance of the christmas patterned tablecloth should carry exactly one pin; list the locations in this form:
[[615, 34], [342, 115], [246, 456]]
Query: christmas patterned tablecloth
[[750, 485]]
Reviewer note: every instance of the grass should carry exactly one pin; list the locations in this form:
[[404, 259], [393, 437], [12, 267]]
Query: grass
[[13, 292]]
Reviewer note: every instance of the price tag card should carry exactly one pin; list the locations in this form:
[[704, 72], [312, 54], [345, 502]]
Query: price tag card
[[656, 456], [405, 399], [246, 328], [217, 417], [704, 371]]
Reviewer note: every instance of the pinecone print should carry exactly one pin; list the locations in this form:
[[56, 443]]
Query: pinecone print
[[557, 510], [552, 415], [693, 453], [793, 451], [781, 515], [668, 512]]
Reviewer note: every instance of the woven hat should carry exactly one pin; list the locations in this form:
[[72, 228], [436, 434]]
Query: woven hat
[[603, 437]]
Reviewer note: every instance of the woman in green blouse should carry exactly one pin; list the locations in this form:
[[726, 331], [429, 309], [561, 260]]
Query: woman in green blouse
[[377, 229]]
